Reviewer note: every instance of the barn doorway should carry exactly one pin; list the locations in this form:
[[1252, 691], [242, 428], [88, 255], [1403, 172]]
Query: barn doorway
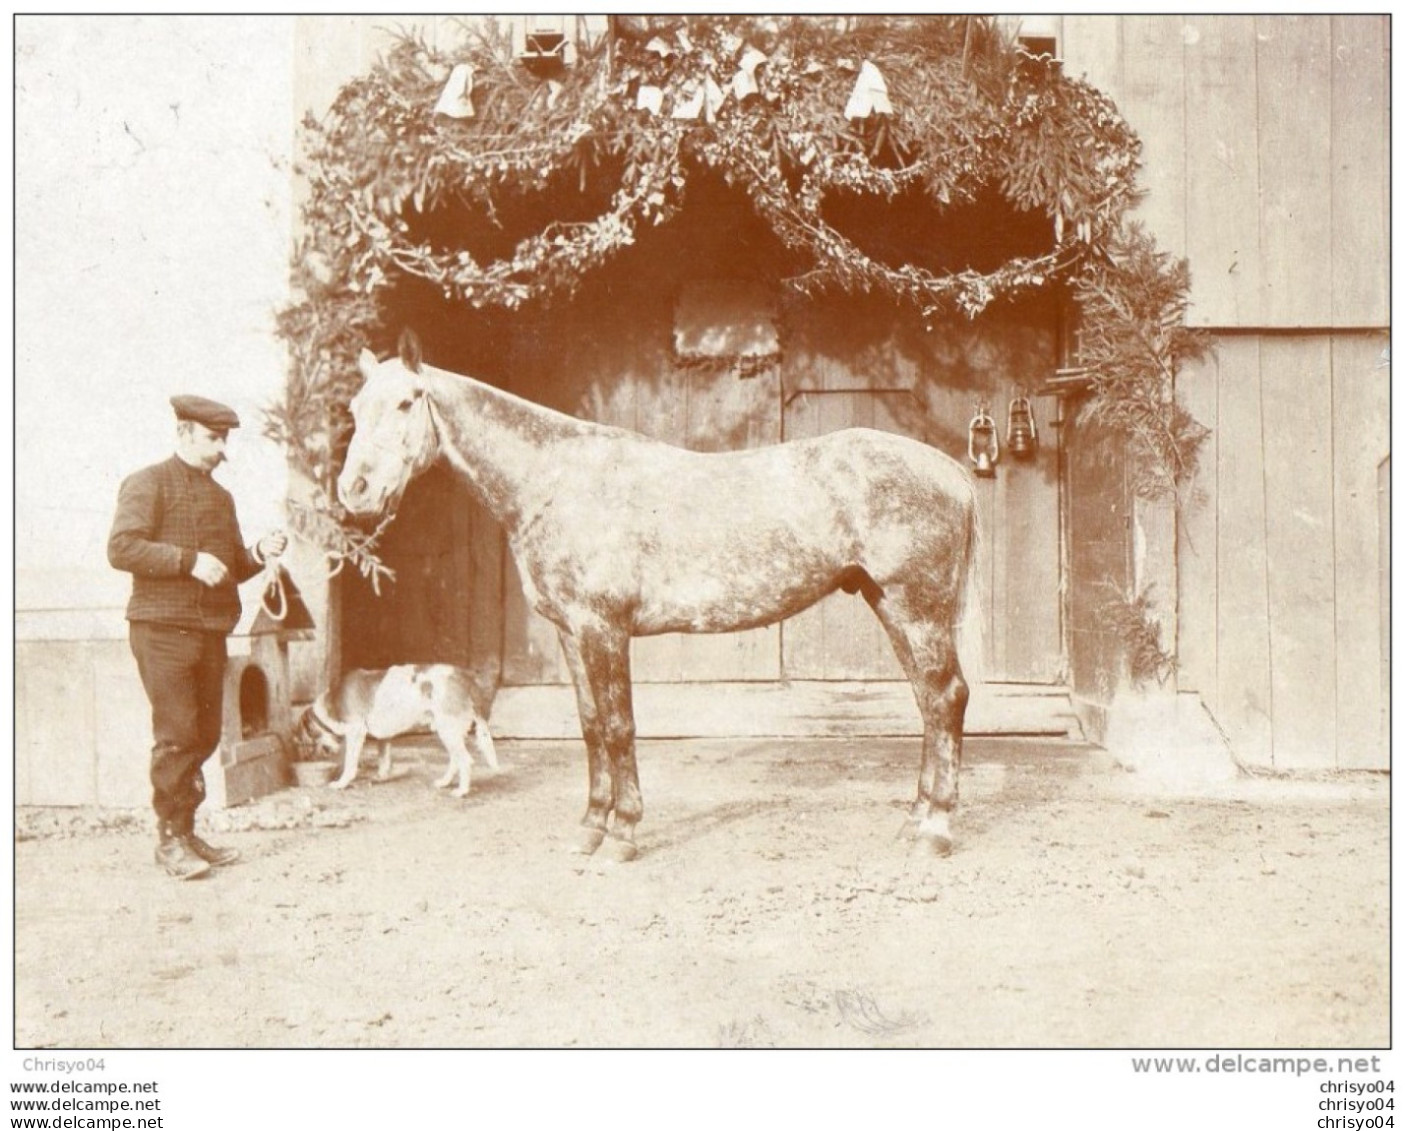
[[610, 354]]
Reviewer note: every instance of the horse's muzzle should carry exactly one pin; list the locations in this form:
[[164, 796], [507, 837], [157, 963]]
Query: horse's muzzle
[[363, 501], [355, 494]]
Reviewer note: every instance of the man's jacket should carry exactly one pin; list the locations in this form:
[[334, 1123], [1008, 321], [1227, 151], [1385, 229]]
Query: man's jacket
[[165, 514]]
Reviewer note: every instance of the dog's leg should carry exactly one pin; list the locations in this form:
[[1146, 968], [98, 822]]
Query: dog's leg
[[483, 740], [459, 760], [383, 773], [446, 779], [351, 759]]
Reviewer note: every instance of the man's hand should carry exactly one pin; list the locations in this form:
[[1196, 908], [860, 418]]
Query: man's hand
[[272, 545], [209, 570]]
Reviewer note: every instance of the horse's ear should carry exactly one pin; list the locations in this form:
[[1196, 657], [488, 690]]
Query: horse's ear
[[367, 363], [410, 350]]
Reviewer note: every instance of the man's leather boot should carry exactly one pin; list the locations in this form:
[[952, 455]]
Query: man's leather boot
[[185, 827], [209, 852], [173, 854]]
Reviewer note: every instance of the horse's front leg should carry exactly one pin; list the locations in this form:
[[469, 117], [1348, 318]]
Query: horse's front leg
[[599, 662], [602, 793]]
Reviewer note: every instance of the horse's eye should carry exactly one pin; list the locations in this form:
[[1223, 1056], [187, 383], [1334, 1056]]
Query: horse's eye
[[404, 406]]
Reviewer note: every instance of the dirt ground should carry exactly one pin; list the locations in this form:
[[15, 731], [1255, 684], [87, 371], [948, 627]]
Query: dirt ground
[[773, 904]]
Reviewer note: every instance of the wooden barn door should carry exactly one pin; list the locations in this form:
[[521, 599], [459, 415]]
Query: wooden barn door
[[622, 372], [840, 638], [862, 365], [831, 669], [442, 604]]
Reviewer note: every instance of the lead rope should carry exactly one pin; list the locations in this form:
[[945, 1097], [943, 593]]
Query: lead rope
[[275, 594]]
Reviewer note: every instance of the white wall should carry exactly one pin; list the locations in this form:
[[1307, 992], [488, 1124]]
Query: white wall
[[153, 220]]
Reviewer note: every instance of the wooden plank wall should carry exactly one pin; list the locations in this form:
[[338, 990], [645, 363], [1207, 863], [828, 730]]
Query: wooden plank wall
[[1360, 186], [82, 725], [1266, 156], [1283, 550], [854, 362], [1222, 171], [1295, 174], [1267, 163], [1361, 535], [622, 373]]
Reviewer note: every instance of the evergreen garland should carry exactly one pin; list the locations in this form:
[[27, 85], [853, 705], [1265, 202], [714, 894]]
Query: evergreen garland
[[623, 129]]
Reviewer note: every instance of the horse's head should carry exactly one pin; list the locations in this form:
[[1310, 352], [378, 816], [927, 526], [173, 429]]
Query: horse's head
[[393, 437]]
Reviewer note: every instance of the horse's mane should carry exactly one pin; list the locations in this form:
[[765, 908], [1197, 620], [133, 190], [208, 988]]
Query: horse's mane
[[509, 409]]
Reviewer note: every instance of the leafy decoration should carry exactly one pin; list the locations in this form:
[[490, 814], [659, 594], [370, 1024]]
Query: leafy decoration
[[551, 178], [1133, 340], [1133, 619]]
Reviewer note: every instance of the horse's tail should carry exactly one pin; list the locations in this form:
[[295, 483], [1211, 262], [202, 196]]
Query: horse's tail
[[970, 615]]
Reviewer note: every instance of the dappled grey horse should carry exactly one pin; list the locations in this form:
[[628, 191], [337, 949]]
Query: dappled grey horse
[[617, 535]]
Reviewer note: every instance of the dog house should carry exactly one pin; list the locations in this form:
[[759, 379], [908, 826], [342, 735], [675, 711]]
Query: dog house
[[252, 759]]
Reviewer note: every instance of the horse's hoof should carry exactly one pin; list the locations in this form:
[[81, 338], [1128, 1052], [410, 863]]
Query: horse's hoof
[[934, 833], [339, 785], [621, 851], [588, 841]]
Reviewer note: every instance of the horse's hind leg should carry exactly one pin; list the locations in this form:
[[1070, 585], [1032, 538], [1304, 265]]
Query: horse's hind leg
[[926, 649]]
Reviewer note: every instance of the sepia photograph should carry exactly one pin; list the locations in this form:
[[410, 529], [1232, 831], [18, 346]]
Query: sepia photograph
[[731, 534]]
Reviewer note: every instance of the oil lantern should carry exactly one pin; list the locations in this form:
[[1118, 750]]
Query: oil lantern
[[1021, 435], [983, 444]]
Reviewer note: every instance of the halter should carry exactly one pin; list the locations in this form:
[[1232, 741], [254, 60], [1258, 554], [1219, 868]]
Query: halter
[[375, 443]]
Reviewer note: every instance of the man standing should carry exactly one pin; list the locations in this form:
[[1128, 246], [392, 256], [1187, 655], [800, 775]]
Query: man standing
[[177, 534]]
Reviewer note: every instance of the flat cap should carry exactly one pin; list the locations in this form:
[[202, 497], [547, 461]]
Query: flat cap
[[204, 411]]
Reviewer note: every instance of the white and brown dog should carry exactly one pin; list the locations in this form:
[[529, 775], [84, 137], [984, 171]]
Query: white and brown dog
[[406, 699]]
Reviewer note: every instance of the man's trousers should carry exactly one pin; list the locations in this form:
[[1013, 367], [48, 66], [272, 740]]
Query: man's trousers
[[182, 670]]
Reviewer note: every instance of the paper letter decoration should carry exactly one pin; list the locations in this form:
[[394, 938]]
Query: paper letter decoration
[[870, 94], [454, 101]]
